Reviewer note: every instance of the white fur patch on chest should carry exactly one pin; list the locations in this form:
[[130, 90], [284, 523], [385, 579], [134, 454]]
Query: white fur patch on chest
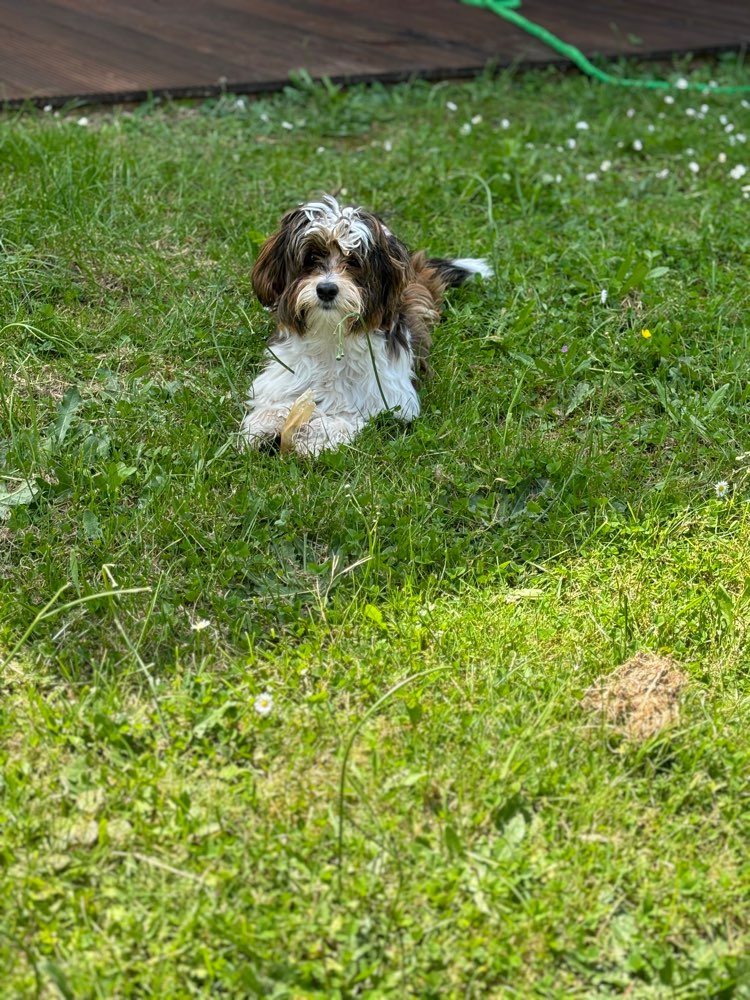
[[348, 377]]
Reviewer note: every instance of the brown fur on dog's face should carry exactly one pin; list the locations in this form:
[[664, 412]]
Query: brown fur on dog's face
[[318, 249]]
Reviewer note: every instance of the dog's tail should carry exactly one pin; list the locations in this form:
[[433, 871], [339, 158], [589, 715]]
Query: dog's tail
[[456, 272]]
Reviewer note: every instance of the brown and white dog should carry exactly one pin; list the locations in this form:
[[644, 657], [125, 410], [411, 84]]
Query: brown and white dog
[[355, 310]]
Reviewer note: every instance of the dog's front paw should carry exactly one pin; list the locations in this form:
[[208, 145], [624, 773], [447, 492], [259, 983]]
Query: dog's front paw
[[263, 425], [323, 433]]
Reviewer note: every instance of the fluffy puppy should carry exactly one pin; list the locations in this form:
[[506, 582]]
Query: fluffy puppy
[[354, 311]]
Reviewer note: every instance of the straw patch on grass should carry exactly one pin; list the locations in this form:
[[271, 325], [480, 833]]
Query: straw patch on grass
[[641, 697]]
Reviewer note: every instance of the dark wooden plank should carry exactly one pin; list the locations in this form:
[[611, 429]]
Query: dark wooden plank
[[93, 40], [55, 49]]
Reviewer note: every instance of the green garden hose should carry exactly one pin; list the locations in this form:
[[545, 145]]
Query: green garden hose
[[508, 9]]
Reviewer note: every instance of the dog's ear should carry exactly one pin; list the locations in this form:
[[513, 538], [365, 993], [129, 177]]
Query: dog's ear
[[392, 271], [399, 255], [271, 270]]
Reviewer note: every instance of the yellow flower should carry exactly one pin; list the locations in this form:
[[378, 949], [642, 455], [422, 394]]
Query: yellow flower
[[645, 334]]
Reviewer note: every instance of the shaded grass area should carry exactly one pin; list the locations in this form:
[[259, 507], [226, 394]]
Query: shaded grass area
[[552, 512]]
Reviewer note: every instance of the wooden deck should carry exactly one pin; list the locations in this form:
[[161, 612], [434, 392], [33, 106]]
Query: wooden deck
[[113, 50]]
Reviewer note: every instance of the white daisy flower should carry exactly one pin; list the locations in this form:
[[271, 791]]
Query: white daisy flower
[[451, 105], [287, 125], [48, 107], [200, 625], [661, 174], [83, 121], [637, 145], [723, 119], [704, 109], [681, 83], [504, 123], [721, 489], [388, 146], [603, 295], [729, 128], [741, 137], [738, 172], [694, 167], [570, 143], [592, 176], [263, 704], [669, 99], [264, 117], [476, 120], [722, 157], [320, 149], [630, 112], [605, 165], [465, 128], [582, 126], [690, 112], [651, 128]]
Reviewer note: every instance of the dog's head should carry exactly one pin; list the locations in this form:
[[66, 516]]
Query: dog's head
[[329, 269]]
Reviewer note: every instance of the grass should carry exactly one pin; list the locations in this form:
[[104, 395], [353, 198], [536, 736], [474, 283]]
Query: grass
[[428, 810]]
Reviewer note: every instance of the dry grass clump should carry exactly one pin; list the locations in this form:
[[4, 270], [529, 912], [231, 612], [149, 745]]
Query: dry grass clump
[[640, 697]]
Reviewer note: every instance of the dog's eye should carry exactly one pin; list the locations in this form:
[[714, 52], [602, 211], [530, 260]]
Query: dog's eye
[[313, 258]]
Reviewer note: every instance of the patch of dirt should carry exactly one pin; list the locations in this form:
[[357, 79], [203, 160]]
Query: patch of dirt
[[41, 381], [633, 301], [640, 697]]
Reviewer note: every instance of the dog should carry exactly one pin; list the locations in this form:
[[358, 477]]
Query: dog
[[355, 311]]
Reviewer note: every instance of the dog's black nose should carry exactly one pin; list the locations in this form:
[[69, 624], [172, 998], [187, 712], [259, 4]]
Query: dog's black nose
[[327, 291]]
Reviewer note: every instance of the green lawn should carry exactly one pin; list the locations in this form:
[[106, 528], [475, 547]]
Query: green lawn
[[427, 608]]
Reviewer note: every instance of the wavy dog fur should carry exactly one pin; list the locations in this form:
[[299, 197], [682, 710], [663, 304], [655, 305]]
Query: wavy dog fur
[[355, 312]]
